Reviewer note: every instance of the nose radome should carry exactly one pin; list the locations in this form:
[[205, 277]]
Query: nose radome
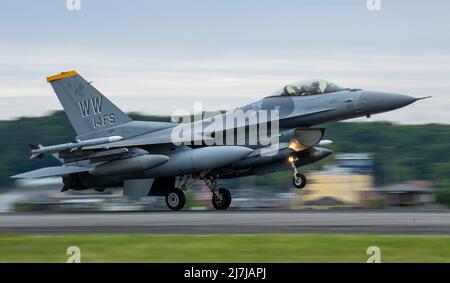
[[376, 102]]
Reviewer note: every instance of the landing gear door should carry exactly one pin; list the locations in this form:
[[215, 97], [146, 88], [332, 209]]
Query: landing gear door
[[137, 187]]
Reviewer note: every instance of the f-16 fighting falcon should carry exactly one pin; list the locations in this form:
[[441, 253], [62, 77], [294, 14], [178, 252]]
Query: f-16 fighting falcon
[[166, 158]]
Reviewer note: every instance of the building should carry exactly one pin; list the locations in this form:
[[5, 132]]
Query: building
[[411, 193], [340, 185], [335, 187]]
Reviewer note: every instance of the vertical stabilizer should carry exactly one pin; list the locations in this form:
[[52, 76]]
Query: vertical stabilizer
[[87, 109]]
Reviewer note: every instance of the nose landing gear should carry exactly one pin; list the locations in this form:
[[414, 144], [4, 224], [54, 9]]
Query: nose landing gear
[[298, 180]]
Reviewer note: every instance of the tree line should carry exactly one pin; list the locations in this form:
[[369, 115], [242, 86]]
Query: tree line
[[400, 152]]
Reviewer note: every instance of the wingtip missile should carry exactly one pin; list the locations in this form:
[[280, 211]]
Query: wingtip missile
[[36, 147], [114, 138], [40, 150], [38, 155]]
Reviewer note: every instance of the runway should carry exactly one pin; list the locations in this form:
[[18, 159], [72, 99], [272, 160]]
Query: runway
[[414, 222]]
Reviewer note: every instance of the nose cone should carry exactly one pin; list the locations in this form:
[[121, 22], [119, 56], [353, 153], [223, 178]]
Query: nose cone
[[376, 102]]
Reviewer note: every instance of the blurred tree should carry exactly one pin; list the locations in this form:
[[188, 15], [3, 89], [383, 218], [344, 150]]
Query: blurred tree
[[400, 152], [441, 177]]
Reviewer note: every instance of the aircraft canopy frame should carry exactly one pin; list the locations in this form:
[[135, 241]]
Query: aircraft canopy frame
[[309, 87]]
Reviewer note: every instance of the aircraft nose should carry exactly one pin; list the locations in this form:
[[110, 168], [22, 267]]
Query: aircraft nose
[[376, 102]]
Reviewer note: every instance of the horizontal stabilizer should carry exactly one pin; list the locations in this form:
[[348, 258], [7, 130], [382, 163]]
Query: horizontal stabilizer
[[52, 171]]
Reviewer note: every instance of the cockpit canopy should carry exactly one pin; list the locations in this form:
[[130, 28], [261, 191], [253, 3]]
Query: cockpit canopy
[[309, 87]]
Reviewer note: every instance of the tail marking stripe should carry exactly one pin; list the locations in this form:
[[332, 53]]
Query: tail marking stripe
[[61, 76]]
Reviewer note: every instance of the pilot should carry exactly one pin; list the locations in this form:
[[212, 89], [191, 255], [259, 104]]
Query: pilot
[[302, 91], [291, 90], [315, 88]]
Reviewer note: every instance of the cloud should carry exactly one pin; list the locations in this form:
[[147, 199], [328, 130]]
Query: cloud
[[149, 84]]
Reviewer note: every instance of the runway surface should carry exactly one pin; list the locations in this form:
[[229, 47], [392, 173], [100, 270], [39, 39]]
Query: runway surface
[[231, 222]]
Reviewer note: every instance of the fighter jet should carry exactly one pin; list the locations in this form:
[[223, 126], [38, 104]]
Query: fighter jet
[[166, 158]]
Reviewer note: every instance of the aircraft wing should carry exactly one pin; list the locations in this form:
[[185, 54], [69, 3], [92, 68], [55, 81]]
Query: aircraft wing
[[52, 171], [160, 137], [164, 136]]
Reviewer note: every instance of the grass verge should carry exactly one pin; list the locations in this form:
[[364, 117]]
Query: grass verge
[[223, 248]]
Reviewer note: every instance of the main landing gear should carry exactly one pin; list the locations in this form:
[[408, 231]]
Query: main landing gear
[[221, 197], [175, 199], [298, 180]]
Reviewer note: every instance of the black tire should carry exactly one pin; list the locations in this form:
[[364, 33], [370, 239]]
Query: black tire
[[225, 200], [175, 199], [299, 181]]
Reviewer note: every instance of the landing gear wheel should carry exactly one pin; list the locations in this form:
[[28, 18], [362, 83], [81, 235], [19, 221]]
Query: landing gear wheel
[[299, 180], [224, 199], [175, 199]]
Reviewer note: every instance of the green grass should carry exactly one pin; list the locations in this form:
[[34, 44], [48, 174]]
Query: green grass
[[223, 248]]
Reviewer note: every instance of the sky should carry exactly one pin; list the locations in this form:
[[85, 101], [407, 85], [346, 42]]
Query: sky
[[155, 57]]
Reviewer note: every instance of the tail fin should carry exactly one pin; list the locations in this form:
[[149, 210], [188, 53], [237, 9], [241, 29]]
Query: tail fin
[[87, 109]]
